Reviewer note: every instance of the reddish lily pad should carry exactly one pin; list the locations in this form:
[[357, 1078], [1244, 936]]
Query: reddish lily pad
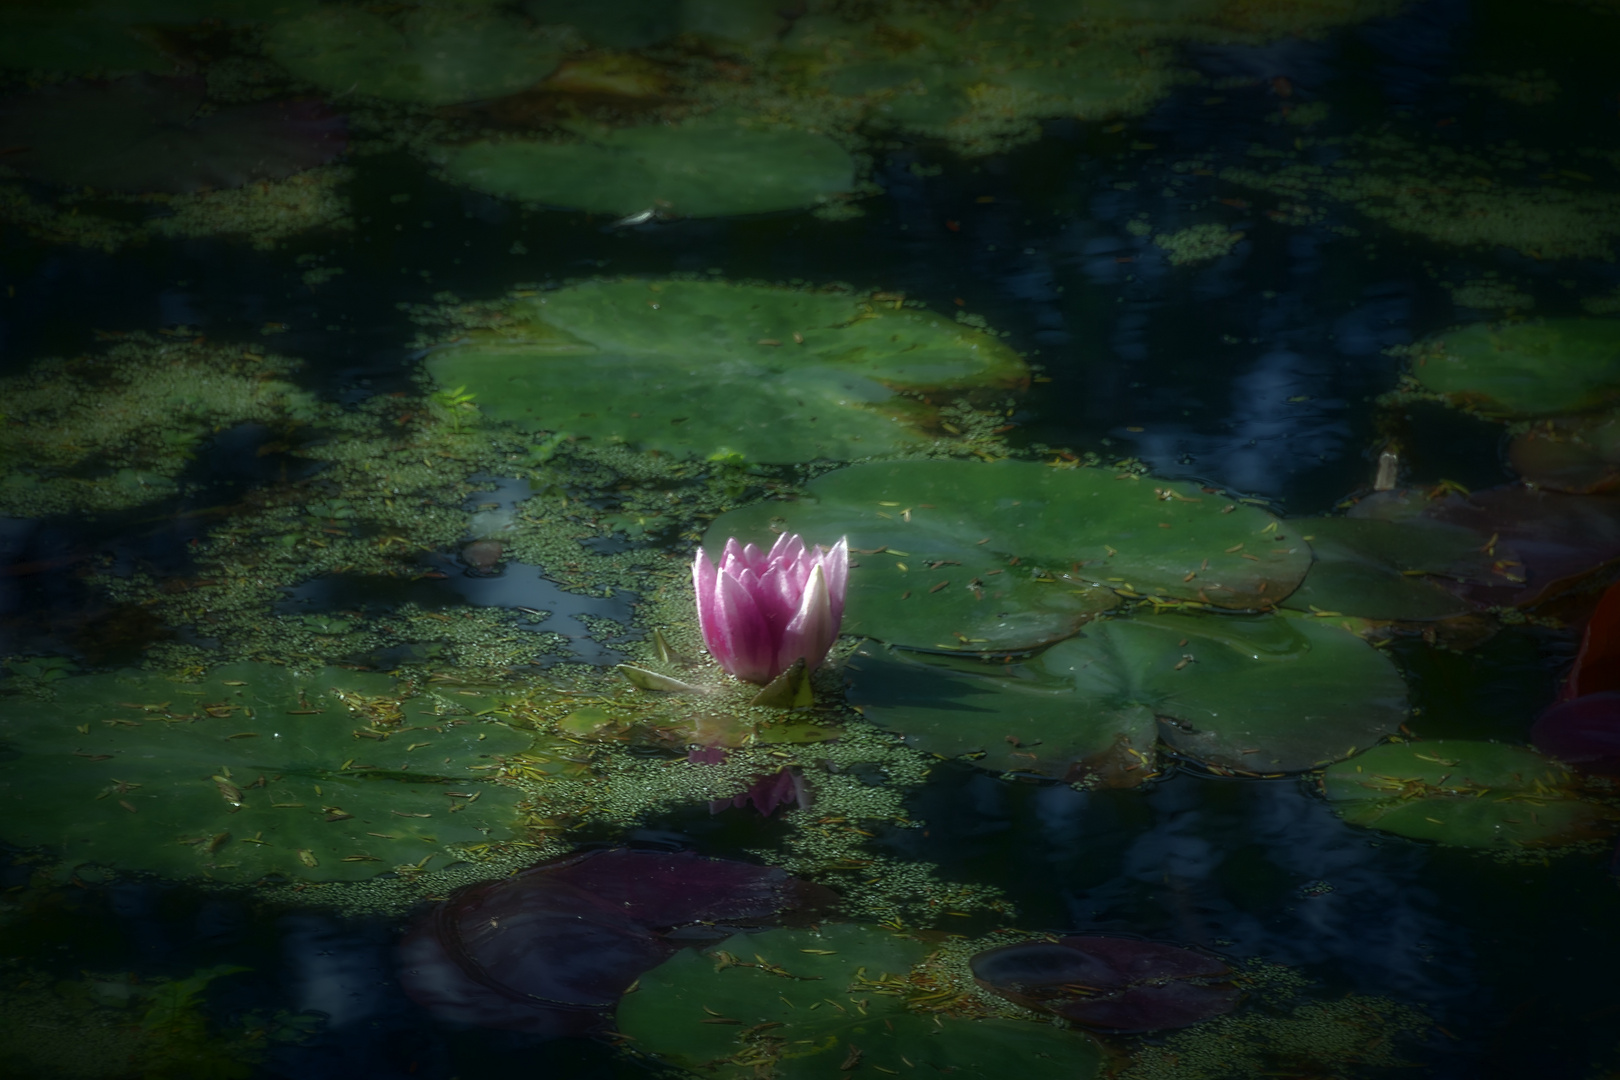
[[1542, 542], [1381, 569], [1597, 665], [1575, 455], [1012, 555], [1583, 732], [1110, 984], [145, 133], [551, 949]]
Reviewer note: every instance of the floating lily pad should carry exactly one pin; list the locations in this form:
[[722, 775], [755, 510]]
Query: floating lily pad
[[627, 24], [431, 56], [144, 133], [702, 168], [1542, 543], [1006, 556], [694, 367], [1110, 983], [1380, 569], [252, 771], [551, 949], [813, 990], [1242, 694], [1469, 794], [1575, 455], [114, 36], [1548, 367]]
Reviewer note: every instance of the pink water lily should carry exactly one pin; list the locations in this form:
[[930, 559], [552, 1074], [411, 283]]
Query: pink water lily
[[761, 611]]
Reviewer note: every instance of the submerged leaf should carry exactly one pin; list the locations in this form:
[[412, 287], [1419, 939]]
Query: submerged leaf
[[1580, 455], [1109, 983], [145, 133], [1382, 569], [550, 949]]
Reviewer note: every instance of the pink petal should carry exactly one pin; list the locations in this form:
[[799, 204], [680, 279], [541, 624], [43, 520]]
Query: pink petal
[[744, 638], [703, 584], [812, 631]]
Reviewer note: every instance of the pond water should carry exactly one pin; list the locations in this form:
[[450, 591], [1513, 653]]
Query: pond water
[[1219, 399]]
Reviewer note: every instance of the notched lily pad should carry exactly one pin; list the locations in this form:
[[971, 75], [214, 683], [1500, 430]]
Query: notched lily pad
[[1109, 983], [252, 771], [1243, 695], [1010, 555], [1548, 367], [803, 1004], [696, 367], [707, 167], [1464, 793]]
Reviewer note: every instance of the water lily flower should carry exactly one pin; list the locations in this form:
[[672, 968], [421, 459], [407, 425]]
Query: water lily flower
[[761, 611]]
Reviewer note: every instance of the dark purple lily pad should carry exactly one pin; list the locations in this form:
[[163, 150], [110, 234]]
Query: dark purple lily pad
[[1544, 541], [1582, 732], [1109, 983], [146, 133], [550, 949]]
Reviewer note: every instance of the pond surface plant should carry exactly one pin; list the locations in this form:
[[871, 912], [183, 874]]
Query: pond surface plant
[[843, 538]]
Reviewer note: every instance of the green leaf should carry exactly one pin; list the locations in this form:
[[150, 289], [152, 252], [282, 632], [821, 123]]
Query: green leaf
[[434, 56], [252, 771], [690, 367], [1008, 556], [709, 167], [829, 999], [1543, 368], [1465, 793], [1242, 694], [1378, 569]]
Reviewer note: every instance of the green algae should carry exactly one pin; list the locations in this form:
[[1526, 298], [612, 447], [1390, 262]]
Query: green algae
[[1508, 195], [108, 430], [1198, 243], [263, 214]]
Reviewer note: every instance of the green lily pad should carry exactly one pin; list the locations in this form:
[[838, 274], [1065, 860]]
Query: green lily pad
[[1242, 694], [1469, 794], [826, 998], [696, 367], [707, 167], [252, 771], [1008, 555], [1547, 367], [433, 56], [1377, 569]]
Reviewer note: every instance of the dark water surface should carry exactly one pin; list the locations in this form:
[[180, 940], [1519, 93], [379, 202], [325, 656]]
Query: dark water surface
[[1254, 372]]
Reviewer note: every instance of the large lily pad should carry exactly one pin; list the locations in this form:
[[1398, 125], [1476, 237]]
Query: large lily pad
[[432, 56], [1242, 694], [694, 367], [1469, 794], [1110, 983], [252, 771], [1548, 367], [1006, 556], [1579, 455], [114, 36], [144, 133], [1380, 569], [791, 1004], [702, 168]]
